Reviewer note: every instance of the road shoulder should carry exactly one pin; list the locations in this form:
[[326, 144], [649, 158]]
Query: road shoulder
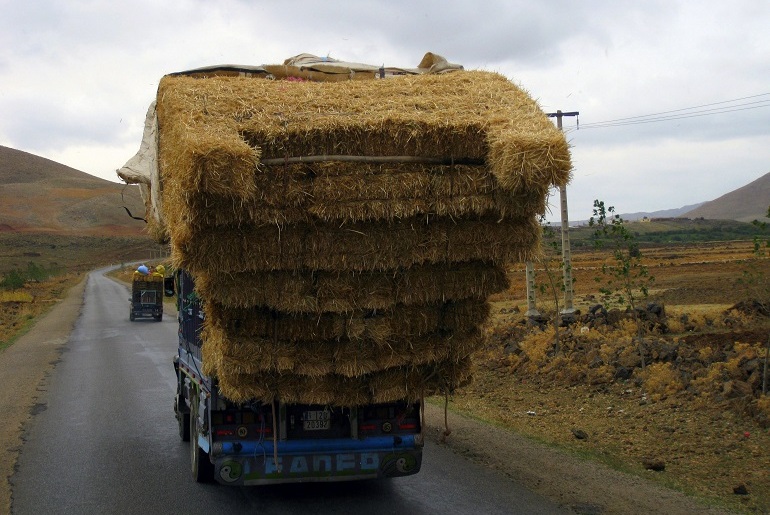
[[25, 367], [582, 486]]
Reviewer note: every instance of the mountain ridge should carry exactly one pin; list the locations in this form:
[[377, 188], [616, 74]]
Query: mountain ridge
[[745, 204], [40, 195]]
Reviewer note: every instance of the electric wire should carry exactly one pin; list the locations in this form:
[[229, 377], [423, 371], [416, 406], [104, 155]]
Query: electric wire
[[688, 112]]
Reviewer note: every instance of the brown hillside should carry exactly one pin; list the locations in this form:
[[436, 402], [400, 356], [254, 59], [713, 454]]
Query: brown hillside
[[40, 195], [745, 204]]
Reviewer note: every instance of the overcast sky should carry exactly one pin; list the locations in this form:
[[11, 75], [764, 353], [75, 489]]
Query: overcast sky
[[76, 77]]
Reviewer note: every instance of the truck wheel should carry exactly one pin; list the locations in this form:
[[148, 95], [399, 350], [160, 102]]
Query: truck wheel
[[202, 468], [131, 316]]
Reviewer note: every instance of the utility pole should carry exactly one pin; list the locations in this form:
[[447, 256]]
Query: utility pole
[[565, 245], [532, 311]]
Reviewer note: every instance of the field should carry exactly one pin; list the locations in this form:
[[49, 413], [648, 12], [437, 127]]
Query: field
[[49, 264], [693, 417], [73, 253]]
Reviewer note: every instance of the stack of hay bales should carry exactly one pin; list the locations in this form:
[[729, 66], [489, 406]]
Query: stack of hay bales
[[345, 235]]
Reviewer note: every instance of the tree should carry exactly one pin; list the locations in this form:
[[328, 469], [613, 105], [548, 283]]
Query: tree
[[625, 280], [13, 280], [553, 265]]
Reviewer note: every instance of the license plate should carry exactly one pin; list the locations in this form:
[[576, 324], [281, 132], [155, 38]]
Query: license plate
[[316, 420]]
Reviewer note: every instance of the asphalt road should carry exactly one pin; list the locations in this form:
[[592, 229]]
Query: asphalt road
[[104, 439]]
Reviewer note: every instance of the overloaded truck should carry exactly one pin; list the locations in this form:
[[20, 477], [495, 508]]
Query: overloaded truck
[[146, 296], [336, 230]]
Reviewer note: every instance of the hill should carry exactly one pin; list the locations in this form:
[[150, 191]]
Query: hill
[[665, 213], [40, 195], [56, 217], [745, 204]]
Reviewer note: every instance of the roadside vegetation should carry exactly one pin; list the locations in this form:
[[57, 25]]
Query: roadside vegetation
[[662, 370]]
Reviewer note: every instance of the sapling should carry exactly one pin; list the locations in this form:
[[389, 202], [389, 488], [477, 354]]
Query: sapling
[[626, 280]]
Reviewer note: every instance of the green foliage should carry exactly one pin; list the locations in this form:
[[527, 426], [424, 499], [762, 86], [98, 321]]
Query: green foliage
[[625, 280], [754, 281], [15, 279], [553, 266], [675, 230]]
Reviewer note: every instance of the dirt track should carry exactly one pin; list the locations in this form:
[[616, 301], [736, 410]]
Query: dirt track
[[582, 486]]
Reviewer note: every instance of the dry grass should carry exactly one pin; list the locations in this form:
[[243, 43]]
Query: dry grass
[[697, 406]]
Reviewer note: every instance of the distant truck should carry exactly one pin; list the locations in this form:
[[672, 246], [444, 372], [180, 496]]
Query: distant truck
[[147, 295], [255, 443]]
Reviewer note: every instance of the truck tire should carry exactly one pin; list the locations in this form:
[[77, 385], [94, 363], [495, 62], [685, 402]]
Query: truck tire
[[131, 316], [202, 468]]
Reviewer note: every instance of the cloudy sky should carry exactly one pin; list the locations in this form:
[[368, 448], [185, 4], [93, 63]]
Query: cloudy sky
[[685, 85]]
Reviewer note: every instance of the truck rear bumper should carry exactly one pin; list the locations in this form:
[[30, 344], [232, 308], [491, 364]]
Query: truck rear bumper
[[253, 463]]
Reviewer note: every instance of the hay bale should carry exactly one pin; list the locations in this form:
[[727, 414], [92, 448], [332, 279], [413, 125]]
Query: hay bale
[[378, 327], [306, 193], [348, 358], [304, 291], [357, 246], [409, 383], [346, 235], [473, 115]]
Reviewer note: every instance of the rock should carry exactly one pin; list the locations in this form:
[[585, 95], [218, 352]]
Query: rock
[[623, 373], [568, 319], [579, 433], [736, 389], [597, 309], [512, 348], [654, 464], [750, 366], [656, 309]]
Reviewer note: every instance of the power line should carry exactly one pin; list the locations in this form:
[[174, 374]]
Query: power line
[[694, 111], [600, 125]]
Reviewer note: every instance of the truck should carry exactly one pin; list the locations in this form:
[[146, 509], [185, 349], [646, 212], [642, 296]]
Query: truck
[[255, 443], [335, 250], [146, 296]]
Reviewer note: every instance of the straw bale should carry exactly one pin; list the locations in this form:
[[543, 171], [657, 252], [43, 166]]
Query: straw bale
[[350, 192], [357, 246], [377, 327], [478, 115], [349, 358], [210, 161], [346, 291], [329, 280], [403, 383]]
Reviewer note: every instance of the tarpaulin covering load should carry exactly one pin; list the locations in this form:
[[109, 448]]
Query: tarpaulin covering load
[[318, 189]]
